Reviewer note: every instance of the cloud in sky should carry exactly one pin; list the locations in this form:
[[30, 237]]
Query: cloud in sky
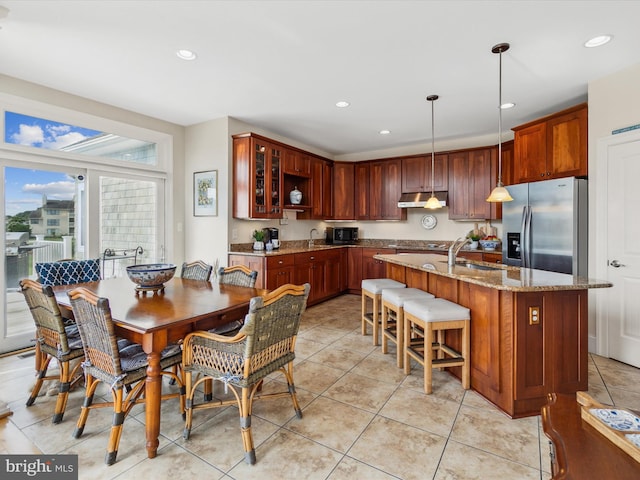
[[42, 133], [56, 137], [62, 190]]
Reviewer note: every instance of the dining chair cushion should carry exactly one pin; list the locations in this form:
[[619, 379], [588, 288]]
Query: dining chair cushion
[[68, 272]]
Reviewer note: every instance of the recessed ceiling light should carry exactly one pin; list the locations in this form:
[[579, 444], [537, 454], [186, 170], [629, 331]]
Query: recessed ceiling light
[[185, 54], [507, 105], [598, 41], [342, 104], [384, 132]]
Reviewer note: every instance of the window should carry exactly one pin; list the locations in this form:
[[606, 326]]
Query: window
[[53, 222], [52, 212], [52, 135]]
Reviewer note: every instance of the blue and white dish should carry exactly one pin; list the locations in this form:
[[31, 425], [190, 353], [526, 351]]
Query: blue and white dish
[[634, 438], [617, 419]]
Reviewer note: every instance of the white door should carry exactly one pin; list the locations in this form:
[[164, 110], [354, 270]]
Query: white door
[[618, 225]]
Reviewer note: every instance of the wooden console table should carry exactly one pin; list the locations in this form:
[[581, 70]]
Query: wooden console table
[[579, 451]]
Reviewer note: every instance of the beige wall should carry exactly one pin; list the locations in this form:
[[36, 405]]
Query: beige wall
[[614, 102]]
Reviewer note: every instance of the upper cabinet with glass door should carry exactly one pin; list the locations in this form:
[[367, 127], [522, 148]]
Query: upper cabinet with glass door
[[257, 177]]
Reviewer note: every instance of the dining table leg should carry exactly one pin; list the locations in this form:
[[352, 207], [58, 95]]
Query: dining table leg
[[153, 393]]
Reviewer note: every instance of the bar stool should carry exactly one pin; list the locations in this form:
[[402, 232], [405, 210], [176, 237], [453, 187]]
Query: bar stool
[[372, 288], [431, 316], [393, 317]]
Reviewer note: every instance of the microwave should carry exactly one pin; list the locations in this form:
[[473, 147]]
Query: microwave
[[341, 235]]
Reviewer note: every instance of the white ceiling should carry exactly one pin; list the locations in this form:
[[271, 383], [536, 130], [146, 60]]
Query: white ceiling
[[282, 65]]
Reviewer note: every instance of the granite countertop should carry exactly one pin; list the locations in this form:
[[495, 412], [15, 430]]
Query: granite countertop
[[302, 246], [493, 275]]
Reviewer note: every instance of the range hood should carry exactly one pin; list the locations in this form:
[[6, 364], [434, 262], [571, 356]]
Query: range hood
[[419, 199]]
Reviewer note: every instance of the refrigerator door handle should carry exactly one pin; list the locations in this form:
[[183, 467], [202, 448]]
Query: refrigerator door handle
[[523, 243]]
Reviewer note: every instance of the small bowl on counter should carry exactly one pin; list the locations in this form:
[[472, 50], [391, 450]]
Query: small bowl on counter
[[151, 276], [490, 245]]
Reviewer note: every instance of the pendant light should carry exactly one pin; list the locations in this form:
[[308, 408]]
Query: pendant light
[[433, 203], [500, 194]]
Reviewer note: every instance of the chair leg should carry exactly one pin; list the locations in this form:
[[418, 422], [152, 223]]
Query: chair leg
[[90, 387], [376, 319], [208, 390], [288, 373], [42, 364], [188, 412], [245, 426], [364, 311], [116, 426], [63, 394]]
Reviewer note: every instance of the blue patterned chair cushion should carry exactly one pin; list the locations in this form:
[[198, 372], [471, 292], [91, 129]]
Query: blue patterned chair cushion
[[68, 272]]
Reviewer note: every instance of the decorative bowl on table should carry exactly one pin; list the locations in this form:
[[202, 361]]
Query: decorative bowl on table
[[151, 276], [489, 245]]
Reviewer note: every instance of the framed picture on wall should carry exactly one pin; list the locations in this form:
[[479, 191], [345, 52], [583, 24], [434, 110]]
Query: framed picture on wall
[[205, 194]]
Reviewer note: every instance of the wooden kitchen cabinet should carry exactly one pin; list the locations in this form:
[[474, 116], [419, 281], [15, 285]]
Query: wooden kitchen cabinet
[[279, 271], [551, 345], [372, 268], [416, 173], [472, 176], [354, 270], [378, 186], [296, 163], [342, 191], [257, 177], [552, 147], [320, 190]]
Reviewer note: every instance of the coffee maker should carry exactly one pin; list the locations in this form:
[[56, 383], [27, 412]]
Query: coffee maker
[[272, 235]]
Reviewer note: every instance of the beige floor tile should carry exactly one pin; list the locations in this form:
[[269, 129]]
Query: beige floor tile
[[341, 359], [362, 392], [464, 462], [356, 342], [287, 455], [474, 400], [350, 469], [623, 398], [173, 462], [306, 347], [380, 367], [398, 449], [91, 451], [322, 334], [280, 410], [494, 432], [427, 412], [315, 377], [331, 423], [219, 440]]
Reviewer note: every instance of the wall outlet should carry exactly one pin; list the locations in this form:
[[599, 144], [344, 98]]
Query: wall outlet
[[534, 315], [284, 221]]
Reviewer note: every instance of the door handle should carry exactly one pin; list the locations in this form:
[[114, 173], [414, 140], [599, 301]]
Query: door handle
[[616, 264]]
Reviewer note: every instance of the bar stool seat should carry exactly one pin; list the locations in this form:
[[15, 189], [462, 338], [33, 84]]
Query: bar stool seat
[[436, 316], [372, 288], [393, 300]]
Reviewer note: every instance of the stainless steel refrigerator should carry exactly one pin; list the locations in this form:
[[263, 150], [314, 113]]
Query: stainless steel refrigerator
[[545, 226]]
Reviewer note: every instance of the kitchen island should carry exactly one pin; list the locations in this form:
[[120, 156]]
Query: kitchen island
[[528, 327]]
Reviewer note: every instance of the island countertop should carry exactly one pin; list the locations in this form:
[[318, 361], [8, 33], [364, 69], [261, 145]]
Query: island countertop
[[493, 275]]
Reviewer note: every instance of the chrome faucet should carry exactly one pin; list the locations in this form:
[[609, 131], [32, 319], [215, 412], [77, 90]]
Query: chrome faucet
[[455, 248], [311, 236]]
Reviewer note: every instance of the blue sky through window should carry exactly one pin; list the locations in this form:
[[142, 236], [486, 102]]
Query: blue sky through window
[[41, 133], [24, 188]]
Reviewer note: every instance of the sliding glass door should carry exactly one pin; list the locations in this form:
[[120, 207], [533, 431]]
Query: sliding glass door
[[44, 222], [54, 214]]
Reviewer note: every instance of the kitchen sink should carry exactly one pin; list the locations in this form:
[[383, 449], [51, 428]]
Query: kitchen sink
[[474, 266]]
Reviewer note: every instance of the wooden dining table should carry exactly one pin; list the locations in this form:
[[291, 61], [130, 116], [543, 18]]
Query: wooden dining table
[[156, 319]]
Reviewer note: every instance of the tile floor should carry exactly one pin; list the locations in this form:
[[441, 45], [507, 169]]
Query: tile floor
[[363, 418]]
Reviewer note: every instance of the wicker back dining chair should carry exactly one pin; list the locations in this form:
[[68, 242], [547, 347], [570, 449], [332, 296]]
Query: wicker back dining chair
[[265, 344], [54, 339], [124, 370], [238, 275], [196, 270]]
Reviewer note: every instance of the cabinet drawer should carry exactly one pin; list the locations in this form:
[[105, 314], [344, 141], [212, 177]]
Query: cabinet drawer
[[308, 257], [280, 261]]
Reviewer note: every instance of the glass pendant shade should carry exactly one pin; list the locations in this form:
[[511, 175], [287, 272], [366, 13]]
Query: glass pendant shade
[[499, 194], [433, 203]]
